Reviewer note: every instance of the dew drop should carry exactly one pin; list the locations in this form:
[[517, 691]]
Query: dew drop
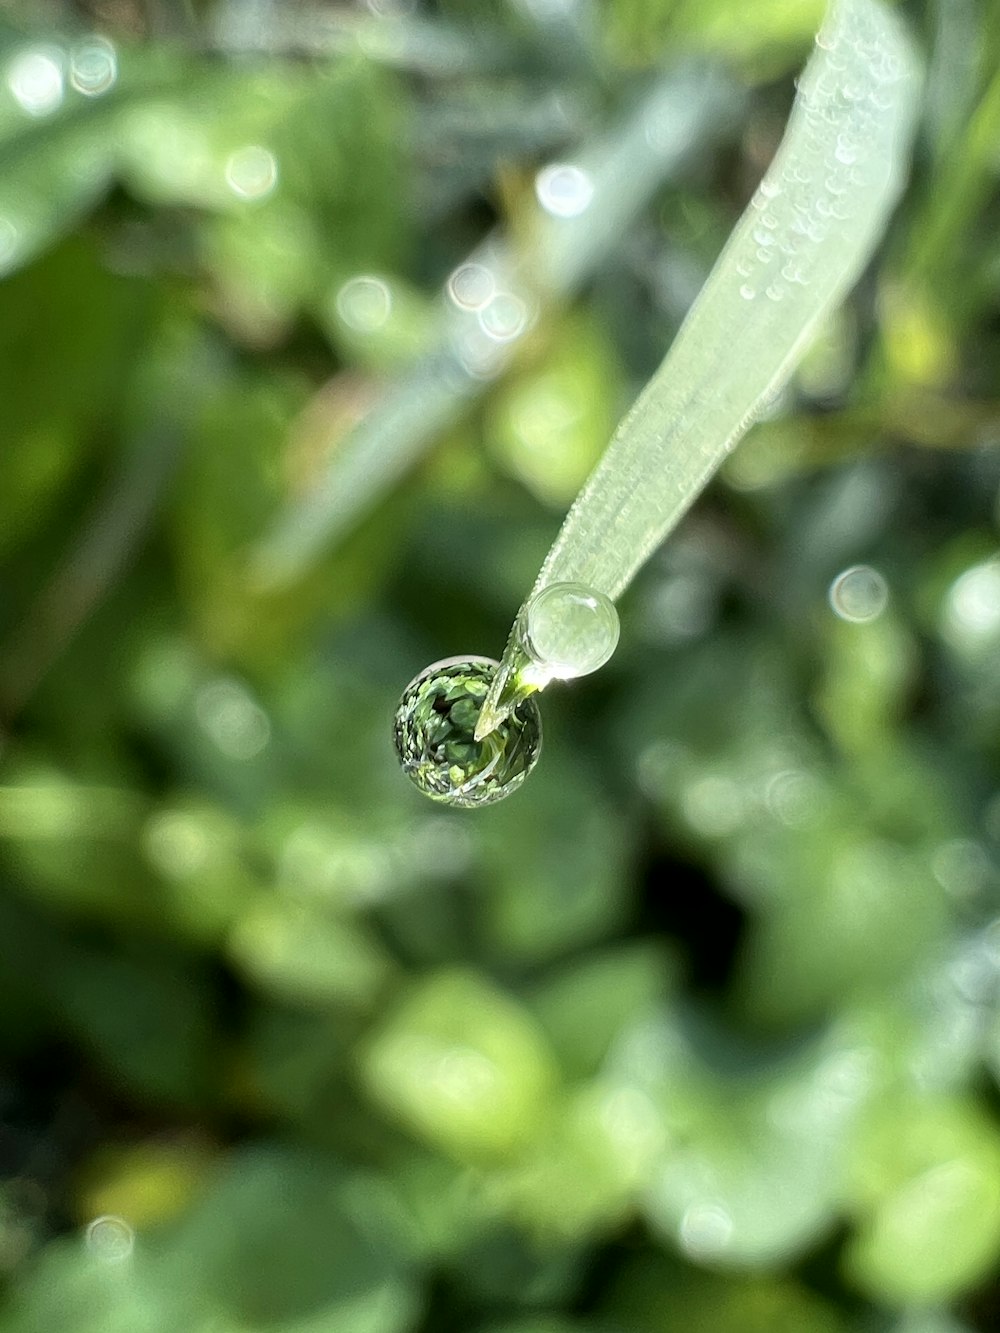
[[570, 630], [972, 606], [110, 1239], [35, 79], [845, 152], [471, 286], [93, 67], [564, 190], [252, 172], [747, 292], [504, 318], [433, 734], [364, 303], [859, 594]]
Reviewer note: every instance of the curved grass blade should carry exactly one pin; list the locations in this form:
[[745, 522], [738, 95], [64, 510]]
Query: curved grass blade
[[801, 244]]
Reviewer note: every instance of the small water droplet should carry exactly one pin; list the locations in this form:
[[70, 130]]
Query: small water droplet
[[472, 286], [774, 291], [93, 66], [252, 172], [35, 79], [748, 292], [570, 630], [110, 1239], [564, 190], [504, 317], [433, 735], [845, 151], [972, 606], [364, 303], [859, 594]]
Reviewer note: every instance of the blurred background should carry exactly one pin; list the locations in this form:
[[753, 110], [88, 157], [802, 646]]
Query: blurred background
[[313, 319]]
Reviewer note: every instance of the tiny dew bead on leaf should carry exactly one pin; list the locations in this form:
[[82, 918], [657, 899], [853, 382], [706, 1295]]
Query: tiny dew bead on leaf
[[569, 630], [433, 734]]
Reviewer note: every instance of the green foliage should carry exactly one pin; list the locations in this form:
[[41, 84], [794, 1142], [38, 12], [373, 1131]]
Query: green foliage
[[700, 1030]]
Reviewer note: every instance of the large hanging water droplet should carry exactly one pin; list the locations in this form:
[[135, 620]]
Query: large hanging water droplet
[[569, 630], [433, 733]]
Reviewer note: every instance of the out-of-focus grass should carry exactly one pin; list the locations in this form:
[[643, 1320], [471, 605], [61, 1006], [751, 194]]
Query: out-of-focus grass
[[699, 1031]]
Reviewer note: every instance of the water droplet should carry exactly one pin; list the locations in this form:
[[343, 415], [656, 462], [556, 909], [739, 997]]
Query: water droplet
[[472, 286], [364, 303], [504, 317], [570, 630], [972, 607], [564, 190], [252, 172], [845, 151], [774, 291], [35, 79], [110, 1239], [859, 594], [93, 66], [748, 292], [433, 734]]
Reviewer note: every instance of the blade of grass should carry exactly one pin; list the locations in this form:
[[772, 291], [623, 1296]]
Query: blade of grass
[[801, 244]]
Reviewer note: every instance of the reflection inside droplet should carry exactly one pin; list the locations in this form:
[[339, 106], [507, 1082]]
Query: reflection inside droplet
[[471, 286], [252, 172], [110, 1239], [35, 79], [434, 735], [569, 630], [859, 594], [93, 66], [364, 303], [564, 190]]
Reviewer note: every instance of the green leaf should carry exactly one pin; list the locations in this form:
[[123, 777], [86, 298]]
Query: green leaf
[[461, 1064], [928, 1180]]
